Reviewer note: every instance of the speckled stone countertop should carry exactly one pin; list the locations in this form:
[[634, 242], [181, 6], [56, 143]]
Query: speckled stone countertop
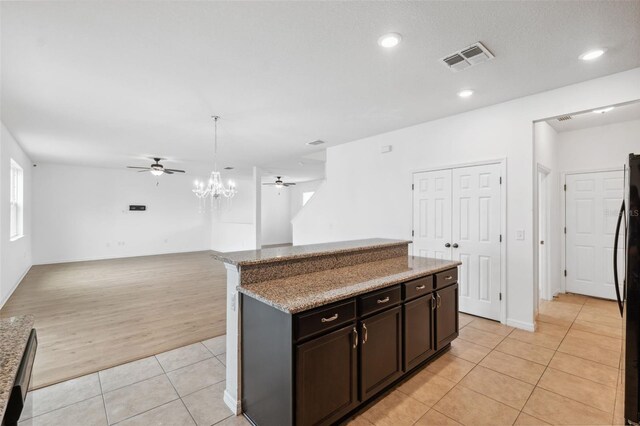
[[280, 254], [14, 334], [302, 292]]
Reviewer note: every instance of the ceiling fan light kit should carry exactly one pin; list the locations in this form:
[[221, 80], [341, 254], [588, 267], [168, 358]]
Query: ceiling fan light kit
[[214, 188]]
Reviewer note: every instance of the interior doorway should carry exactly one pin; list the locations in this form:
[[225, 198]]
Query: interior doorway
[[544, 217]]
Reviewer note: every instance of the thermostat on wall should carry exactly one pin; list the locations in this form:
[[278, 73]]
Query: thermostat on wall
[[136, 208]]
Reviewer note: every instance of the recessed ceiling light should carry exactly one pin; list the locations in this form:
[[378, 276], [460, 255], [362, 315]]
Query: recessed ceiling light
[[602, 110], [592, 54], [465, 93], [390, 40]]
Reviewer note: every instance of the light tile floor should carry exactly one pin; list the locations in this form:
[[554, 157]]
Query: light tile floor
[[179, 387], [567, 372]]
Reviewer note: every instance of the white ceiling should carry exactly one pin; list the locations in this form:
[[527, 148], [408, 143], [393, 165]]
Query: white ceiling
[[588, 119], [110, 83]]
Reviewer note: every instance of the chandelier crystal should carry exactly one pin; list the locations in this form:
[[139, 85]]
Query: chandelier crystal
[[214, 188]]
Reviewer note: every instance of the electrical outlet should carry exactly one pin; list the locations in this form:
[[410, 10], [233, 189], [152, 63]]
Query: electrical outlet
[[520, 235]]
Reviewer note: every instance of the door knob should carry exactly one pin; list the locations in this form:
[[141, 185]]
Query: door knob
[[455, 245], [542, 242], [447, 245]]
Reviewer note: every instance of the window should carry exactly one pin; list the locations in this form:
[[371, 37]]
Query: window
[[306, 196], [16, 202]]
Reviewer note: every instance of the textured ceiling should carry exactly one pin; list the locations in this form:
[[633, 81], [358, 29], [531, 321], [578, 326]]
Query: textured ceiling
[[109, 83], [588, 119]]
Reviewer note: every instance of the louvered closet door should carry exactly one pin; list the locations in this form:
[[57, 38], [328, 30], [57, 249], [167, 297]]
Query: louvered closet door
[[432, 214], [476, 231], [592, 205]]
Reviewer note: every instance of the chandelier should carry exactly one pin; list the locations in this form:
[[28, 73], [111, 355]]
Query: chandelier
[[214, 188]]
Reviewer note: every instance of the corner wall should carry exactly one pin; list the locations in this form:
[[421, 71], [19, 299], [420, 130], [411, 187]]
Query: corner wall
[[16, 256], [368, 194]]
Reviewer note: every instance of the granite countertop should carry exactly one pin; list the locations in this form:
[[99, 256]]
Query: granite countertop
[[14, 334], [302, 292], [279, 254]]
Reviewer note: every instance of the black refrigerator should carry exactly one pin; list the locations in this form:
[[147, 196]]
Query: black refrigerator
[[628, 288]]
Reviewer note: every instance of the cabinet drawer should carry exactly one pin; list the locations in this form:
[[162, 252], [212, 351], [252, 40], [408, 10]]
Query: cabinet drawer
[[325, 318], [379, 300], [417, 288], [447, 277]]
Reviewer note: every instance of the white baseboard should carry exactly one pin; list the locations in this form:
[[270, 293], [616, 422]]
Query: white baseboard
[[15, 286], [233, 404], [528, 326]]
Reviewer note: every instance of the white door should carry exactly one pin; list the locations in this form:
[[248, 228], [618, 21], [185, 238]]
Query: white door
[[543, 235], [592, 204], [476, 238], [432, 214]]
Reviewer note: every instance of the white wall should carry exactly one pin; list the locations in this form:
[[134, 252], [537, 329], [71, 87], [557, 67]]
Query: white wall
[[16, 256], [598, 147], [81, 213], [276, 215], [236, 222], [546, 151], [368, 194]]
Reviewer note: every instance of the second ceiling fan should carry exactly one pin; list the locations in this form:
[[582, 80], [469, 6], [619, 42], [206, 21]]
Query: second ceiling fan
[[279, 183]]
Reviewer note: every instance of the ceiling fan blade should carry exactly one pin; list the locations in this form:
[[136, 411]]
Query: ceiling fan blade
[[174, 170], [143, 171], [168, 172], [270, 183], [135, 167], [289, 184]]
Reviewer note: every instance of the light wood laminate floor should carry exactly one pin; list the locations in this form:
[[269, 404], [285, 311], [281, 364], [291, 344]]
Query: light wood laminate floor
[[94, 315]]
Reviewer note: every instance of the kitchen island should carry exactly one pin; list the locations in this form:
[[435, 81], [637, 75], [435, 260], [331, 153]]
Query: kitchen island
[[319, 330]]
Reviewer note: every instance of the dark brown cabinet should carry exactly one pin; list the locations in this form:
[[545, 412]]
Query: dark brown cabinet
[[418, 339], [326, 377], [318, 366], [446, 315], [380, 351]]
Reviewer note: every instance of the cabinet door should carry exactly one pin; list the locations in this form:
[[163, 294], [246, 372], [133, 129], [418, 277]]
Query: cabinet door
[[326, 377], [446, 315], [381, 351], [418, 331]]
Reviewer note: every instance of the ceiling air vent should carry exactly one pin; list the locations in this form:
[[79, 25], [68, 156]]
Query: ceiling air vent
[[565, 118], [467, 57], [317, 142]]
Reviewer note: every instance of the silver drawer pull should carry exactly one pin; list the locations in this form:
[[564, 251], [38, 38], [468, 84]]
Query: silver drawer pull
[[385, 300], [420, 287], [333, 318], [448, 277]]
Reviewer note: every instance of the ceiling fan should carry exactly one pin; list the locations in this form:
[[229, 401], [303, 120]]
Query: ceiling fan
[[279, 183], [156, 169]]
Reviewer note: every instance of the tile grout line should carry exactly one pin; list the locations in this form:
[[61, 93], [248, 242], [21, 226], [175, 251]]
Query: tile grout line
[[104, 403]]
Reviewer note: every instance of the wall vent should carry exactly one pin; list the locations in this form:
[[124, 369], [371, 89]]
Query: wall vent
[[317, 142], [565, 118], [472, 55]]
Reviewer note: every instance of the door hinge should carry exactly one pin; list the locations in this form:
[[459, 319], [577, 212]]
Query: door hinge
[[412, 232], [565, 186], [500, 237], [501, 296], [412, 186], [565, 229], [500, 180], [565, 272]]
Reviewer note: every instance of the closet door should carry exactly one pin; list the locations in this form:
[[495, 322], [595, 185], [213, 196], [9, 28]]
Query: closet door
[[476, 238], [432, 214]]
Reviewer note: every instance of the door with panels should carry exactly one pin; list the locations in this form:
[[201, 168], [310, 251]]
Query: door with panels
[[592, 205], [457, 215]]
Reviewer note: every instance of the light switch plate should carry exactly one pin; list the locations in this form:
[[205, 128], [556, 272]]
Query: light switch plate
[[520, 234]]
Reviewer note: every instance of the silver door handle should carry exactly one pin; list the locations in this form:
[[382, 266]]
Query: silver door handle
[[542, 242], [355, 337], [439, 300], [448, 277], [385, 300], [333, 318], [447, 245], [455, 245], [420, 287], [366, 334], [433, 303]]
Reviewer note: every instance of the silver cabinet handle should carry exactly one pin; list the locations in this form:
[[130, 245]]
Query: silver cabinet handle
[[333, 318], [420, 287], [355, 337], [385, 300], [366, 333], [439, 300], [448, 277], [433, 303]]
